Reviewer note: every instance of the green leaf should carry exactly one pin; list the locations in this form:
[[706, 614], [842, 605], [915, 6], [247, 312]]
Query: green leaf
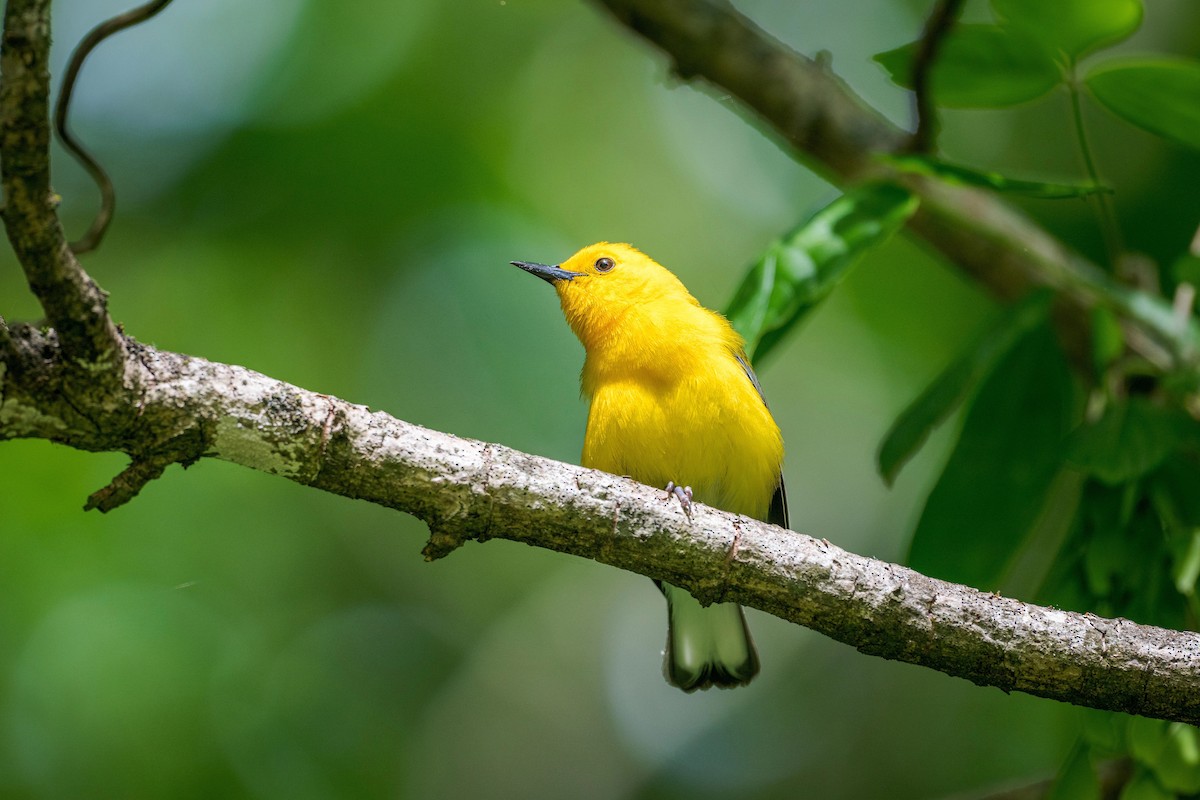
[[1110, 544], [996, 480], [1108, 339], [1147, 737], [1143, 786], [919, 164], [1178, 765], [1104, 731], [1071, 27], [980, 66], [798, 272], [1186, 269], [1161, 95], [1076, 779], [1174, 505], [1169, 751], [1186, 564], [1130, 439], [1179, 480], [1123, 557], [910, 430]]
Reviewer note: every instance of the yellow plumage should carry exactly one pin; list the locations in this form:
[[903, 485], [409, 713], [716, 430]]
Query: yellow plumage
[[673, 399]]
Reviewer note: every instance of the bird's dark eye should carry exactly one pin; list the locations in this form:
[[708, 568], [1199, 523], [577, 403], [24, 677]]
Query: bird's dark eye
[[605, 264]]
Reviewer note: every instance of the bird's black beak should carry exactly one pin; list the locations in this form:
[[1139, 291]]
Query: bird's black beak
[[546, 272]]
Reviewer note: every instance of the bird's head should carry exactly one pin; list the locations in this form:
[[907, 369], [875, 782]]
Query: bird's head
[[602, 283]]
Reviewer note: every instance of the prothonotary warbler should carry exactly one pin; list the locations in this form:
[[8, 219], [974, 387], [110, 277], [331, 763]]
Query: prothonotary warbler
[[673, 403]]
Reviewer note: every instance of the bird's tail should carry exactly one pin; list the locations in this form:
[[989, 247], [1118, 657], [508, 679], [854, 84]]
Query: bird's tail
[[706, 646]]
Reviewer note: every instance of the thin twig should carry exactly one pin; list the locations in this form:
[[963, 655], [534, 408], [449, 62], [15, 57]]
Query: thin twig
[[1110, 231], [126, 485], [108, 196], [941, 20], [185, 449]]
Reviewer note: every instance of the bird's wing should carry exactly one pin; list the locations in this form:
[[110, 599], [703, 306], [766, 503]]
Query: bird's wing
[[777, 513], [741, 359]]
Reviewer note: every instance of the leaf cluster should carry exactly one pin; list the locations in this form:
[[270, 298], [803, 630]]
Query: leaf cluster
[[1072, 483], [1035, 47]]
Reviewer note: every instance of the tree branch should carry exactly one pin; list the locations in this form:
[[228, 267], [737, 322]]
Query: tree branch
[[467, 489], [73, 303]]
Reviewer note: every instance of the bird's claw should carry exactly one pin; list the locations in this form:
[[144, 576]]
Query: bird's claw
[[683, 494]]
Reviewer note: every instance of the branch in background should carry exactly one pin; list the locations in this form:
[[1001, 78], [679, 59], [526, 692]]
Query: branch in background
[[941, 21], [73, 303], [835, 133], [813, 110], [466, 489]]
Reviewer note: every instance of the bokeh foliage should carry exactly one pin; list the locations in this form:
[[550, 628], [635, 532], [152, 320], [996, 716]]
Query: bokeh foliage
[[330, 193]]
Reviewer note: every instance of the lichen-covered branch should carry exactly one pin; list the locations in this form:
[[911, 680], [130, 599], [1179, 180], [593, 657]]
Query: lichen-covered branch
[[467, 489]]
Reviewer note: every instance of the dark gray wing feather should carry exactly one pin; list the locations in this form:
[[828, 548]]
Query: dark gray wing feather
[[777, 513]]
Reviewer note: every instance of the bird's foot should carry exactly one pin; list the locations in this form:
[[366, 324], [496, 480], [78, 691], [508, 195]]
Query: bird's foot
[[683, 494]]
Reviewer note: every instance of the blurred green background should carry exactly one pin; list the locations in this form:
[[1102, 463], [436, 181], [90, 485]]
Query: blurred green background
[[329, 193]]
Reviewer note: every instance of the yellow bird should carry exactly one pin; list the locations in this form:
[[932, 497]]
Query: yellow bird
[[673, 403]]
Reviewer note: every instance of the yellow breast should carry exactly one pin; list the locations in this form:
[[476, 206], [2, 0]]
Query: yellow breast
[[699, 423]]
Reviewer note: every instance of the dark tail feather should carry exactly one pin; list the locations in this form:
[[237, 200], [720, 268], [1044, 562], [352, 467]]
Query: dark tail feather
[[706, 646]]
